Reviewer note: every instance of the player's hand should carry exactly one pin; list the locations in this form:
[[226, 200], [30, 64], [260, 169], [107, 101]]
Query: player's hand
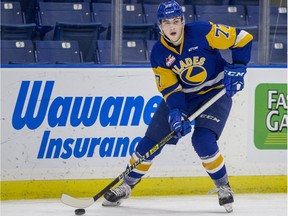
[[179, 123], [234, 78]]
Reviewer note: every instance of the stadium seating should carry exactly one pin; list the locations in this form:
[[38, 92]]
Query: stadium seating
[[51, 12], [101, 12], [244, 2], [104, 51], [17, 52], [11, 13], [207, 2], [278, 49], [85, 33], [278, 15], [58, 52], [134, 26], [181, 2], [133, 52], [18, 31], [222, 14]]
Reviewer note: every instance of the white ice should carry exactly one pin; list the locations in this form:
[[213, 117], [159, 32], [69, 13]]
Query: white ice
[[206, 205]]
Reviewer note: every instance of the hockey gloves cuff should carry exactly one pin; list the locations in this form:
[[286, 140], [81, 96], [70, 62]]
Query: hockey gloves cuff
[[179, 123], [234, 78]]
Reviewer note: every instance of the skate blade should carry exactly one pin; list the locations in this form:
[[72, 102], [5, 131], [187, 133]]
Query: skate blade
[[107, 203], [228, 207]]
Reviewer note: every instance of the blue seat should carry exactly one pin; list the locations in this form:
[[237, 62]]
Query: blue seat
[[181, 2], [278, 49], [58, 52], [134, 52], [17, 52], [101, 12], [29, 10], [244, 2], [104, 51], [278, 16], [18, 31], [222, 14], [85, 33], [51, 12], [11, 13], [207, 2], [134, 26]]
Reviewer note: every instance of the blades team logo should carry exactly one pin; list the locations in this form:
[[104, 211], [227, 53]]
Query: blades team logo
[[191, 70], [170, 60], [271, 118]]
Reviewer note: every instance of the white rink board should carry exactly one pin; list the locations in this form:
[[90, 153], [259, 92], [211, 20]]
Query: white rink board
[[25, 142]]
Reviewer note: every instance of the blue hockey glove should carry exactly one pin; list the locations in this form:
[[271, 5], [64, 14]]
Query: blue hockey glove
[[181, 127], [234, 78]]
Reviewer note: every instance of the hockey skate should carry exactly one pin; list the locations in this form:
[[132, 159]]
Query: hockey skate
[[115, 196], [225, 196]]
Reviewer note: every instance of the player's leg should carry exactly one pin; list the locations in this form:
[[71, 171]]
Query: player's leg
[[208, 128], [156, 131]]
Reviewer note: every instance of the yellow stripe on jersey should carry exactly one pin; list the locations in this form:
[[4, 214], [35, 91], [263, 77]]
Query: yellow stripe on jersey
[[221, 36], [210, 89], [163, 41], [242, 39], [224, 37], [165, 78]]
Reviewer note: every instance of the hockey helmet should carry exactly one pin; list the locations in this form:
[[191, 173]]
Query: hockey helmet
[[168, 10]]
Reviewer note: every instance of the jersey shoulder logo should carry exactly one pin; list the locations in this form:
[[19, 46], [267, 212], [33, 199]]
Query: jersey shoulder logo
[[170, 60]]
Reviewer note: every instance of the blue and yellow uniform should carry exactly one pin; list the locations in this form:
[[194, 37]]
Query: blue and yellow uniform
[[187, 76], [189, 71], [196, 66]]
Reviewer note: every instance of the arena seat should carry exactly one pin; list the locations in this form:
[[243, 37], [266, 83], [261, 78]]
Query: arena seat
[[58, 52], [222, 14], [11, 13], [17, 52], [85, 33]]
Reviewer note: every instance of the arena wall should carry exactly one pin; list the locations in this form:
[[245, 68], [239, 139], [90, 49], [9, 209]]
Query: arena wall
[[72, 130]]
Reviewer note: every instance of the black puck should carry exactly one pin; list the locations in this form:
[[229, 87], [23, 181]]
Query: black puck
[[79, 211]]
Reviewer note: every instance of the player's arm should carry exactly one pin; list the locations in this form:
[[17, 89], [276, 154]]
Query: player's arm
[[227, 37], [240, 43], [169, 87]]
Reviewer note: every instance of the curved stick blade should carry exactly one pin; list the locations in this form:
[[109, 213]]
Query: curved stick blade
[[75, 202]]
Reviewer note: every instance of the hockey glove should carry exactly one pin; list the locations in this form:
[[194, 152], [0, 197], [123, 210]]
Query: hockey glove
[[181, 127], [234, 78]]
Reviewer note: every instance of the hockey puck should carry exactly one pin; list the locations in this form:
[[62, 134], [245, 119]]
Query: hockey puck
[[79, 211]]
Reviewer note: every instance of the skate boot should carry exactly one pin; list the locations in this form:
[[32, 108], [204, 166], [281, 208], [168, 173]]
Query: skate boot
[[115, 196], [225, 196]]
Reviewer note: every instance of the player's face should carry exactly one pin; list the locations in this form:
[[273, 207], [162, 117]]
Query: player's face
[[172, 28]]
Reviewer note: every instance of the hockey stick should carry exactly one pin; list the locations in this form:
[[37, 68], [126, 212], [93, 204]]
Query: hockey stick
[[84, 203]]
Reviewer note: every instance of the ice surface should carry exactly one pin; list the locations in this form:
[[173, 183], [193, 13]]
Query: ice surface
[[206, 205]]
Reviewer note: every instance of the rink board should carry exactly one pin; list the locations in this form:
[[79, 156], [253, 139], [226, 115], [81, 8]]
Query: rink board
[[59, 124]]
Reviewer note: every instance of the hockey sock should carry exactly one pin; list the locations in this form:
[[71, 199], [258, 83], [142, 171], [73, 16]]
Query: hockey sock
[[205, 145], [143, 146]]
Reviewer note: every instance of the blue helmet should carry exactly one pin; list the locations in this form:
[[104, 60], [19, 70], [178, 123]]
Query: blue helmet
[[169, 9]]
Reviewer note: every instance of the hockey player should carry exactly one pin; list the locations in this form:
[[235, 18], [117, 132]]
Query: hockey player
[[189, 70]]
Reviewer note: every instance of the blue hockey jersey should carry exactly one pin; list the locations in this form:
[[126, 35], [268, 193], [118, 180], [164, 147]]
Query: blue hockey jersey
[[196, 66]]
